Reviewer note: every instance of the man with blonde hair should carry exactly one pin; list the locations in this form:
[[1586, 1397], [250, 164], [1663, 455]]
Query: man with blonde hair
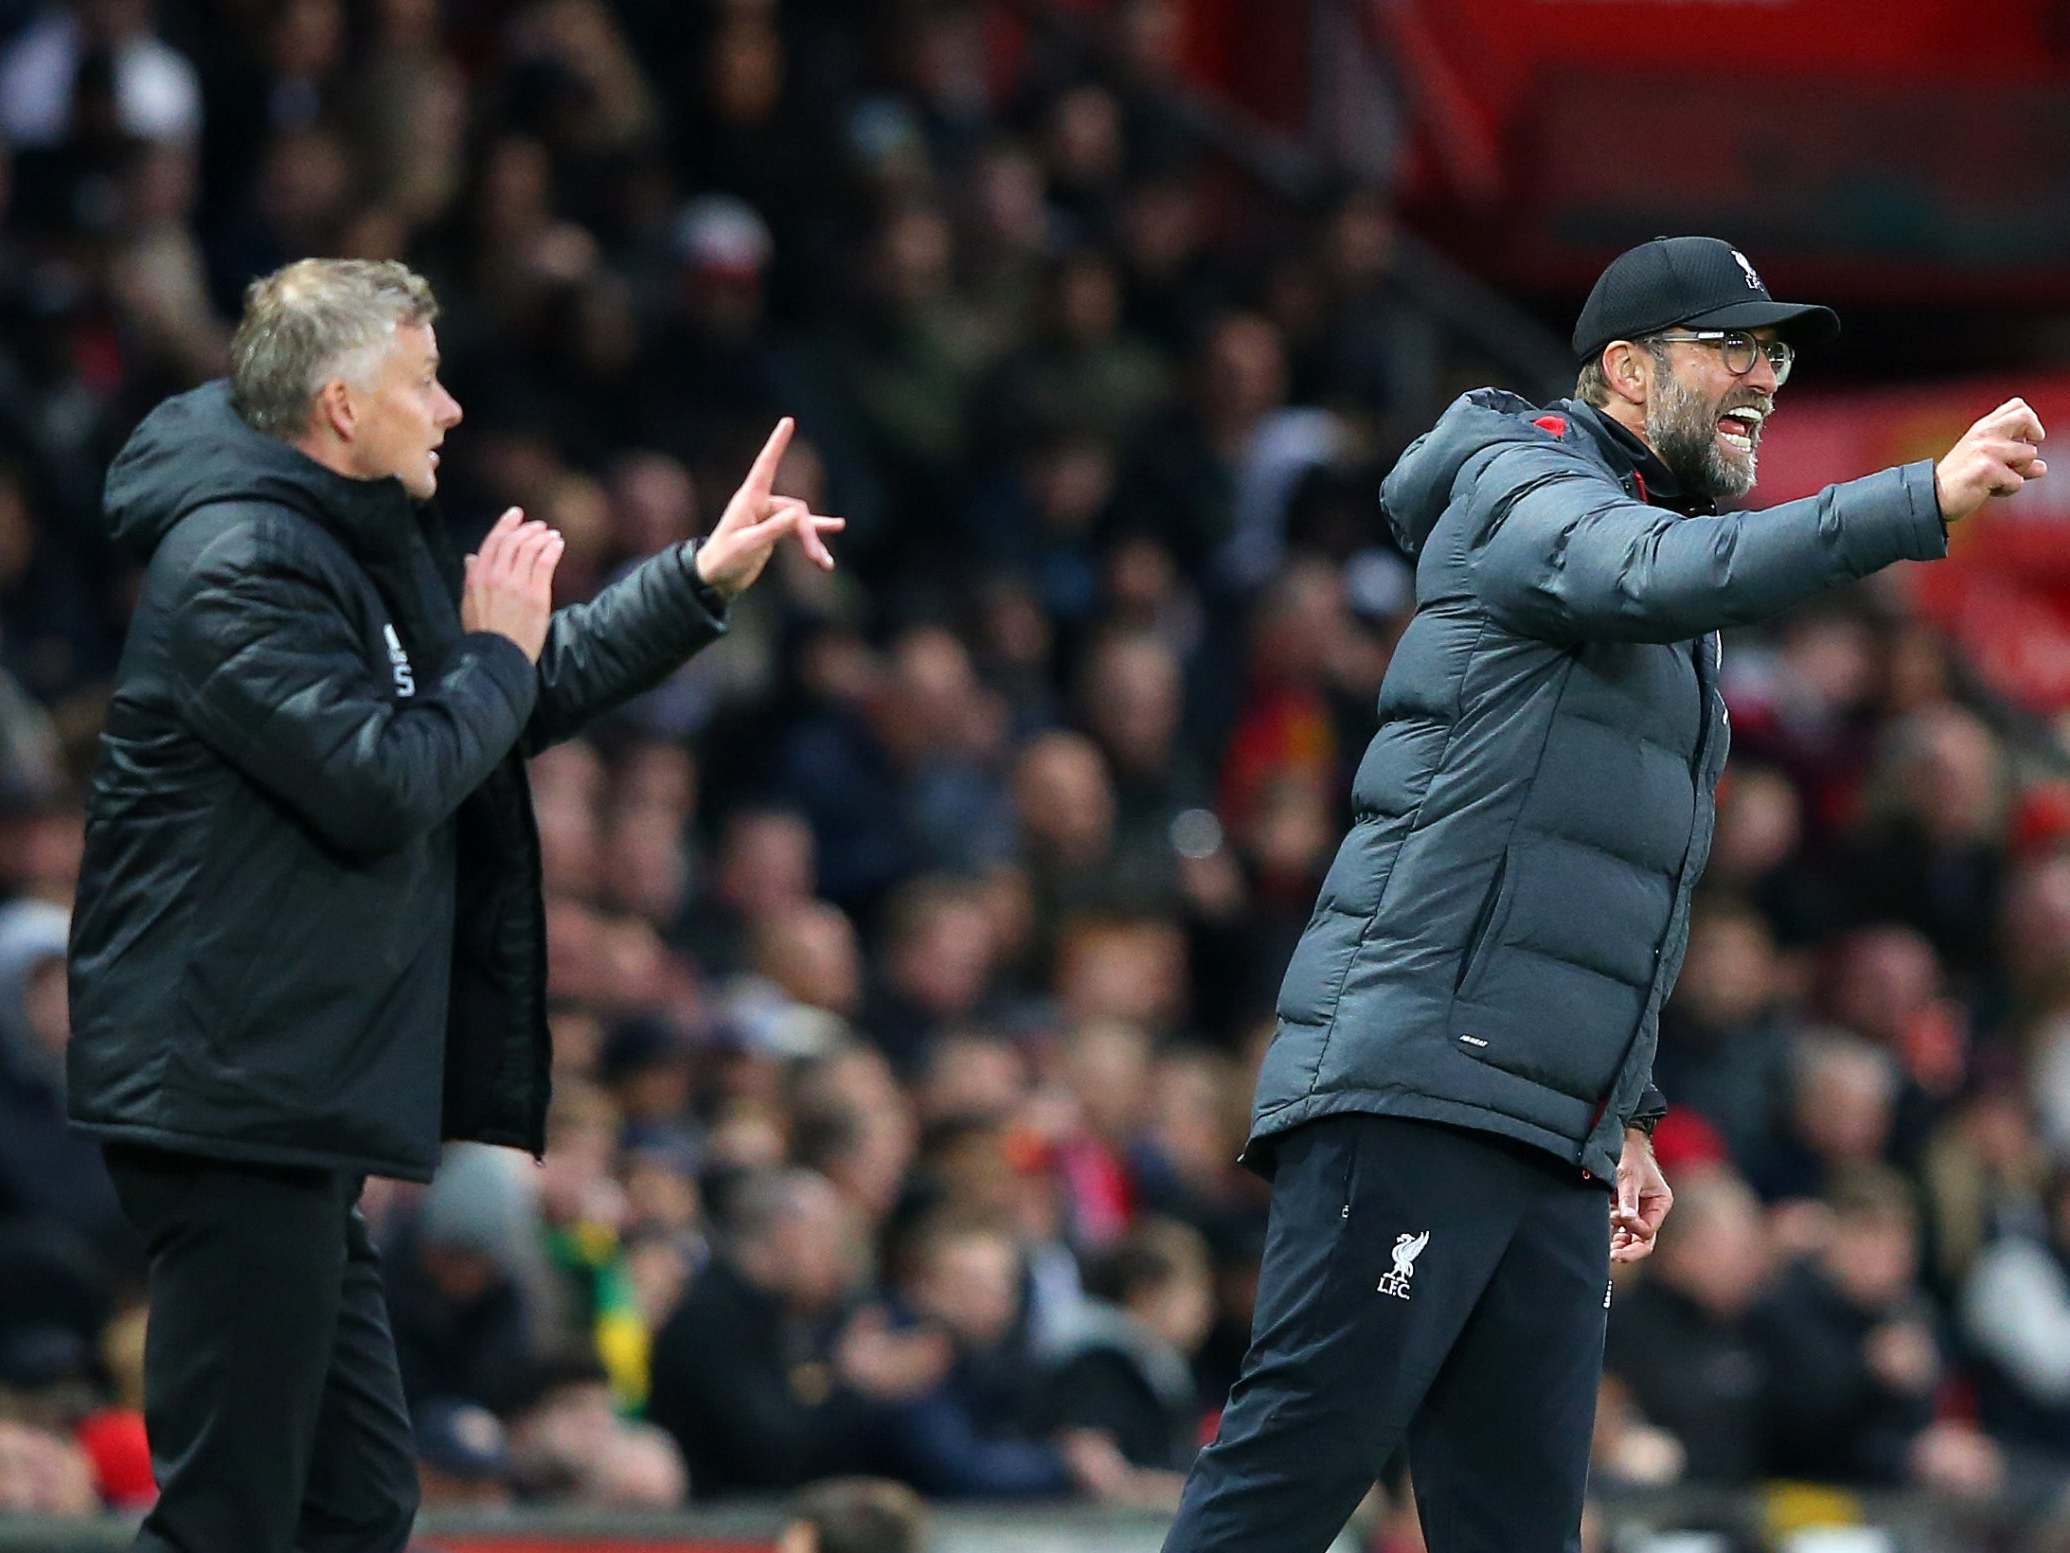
[[310, 938]]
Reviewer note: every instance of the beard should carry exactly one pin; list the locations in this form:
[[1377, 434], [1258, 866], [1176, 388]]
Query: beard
[[1684, 432]]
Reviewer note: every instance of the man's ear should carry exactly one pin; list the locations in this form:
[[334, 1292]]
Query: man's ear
[[335, 409], [1625, 370], [799, 1537]]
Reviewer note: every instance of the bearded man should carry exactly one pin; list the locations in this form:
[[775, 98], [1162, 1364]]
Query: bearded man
[[1465, 1046]]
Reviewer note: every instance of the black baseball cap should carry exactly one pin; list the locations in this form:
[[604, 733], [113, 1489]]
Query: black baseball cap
[[1700, 282]]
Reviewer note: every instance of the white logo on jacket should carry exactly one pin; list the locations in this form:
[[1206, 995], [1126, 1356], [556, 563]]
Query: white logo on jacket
[[1406, 1249], [399, 661]]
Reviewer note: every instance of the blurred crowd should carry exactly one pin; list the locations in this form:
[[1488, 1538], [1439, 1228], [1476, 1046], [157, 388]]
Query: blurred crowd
[[913, 949]]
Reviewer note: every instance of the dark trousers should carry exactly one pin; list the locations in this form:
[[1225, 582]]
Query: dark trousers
[[271, 1395], [1480, 1348]]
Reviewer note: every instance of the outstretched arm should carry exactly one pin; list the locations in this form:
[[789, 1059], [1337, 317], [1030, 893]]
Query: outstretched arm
[[1559, 553]]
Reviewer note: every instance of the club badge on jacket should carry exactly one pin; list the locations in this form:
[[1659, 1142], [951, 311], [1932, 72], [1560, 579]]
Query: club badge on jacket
[[399, 661]]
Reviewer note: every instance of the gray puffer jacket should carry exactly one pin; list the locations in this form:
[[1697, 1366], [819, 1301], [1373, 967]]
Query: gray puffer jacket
[[1495, 938]]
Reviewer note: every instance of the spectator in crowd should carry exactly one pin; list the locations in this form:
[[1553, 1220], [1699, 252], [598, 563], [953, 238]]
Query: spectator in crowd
[[1807, 709], [809, 952], [1885, 983], [40, 847], [1625, 1449], [1127, 1368], [856, 1515], [464, 1280], [1931, 850], [2035, 929], [568, 1445], [937, 959], [863, 1151], [583, 1210], [649, 1064], [43, 1473], [2015, 1315], [28, 746], [764, 861], [1133, 698], [765, 1376], [1985, 1174], [1841, 1105], [1681, 1344], [970, 1435], [1183, 1157], [154, 95], [48, 1174], [1010, 1171], [1757, 855], [1067, 810], [463, 1456], [971, 1073], [1725, 1041], [1082, 370], [1853, 1362]]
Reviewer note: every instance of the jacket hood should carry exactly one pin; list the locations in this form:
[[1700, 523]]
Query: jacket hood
[[1417, 490], [1415, 494], [195, 449]]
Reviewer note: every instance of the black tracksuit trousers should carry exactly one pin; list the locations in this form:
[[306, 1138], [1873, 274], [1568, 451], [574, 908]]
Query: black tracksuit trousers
[[1481, 1347], [271, 1395]]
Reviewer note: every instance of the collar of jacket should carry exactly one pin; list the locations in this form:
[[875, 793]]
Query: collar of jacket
[[195, 449], [374, 518], [1631, 460]]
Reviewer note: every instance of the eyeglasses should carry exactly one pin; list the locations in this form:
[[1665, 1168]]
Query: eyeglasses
[[1741, 350]]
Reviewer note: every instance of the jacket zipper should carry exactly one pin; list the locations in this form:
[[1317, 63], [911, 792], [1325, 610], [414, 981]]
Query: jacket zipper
[[1699, 759]]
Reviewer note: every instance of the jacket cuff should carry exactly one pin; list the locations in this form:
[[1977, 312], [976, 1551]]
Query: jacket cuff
[[709, 599], [1647, 1113], [505, 662], [1926, 535]]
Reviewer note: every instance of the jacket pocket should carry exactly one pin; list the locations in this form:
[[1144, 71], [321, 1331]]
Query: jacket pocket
[[1482, 935], [1558, 1025], [1559, 978]]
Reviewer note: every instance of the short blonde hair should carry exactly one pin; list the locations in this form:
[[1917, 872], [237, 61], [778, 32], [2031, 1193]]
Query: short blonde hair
[[314, 320]]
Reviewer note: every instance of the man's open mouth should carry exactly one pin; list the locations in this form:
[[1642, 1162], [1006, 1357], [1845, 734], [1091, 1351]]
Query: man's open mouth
[[1741, 428]]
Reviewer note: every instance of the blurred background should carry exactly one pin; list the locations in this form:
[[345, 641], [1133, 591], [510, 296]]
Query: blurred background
[[913, 949]]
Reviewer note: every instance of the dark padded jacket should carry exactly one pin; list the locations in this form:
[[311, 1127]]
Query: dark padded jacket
[[1496, 935], [310, 928]]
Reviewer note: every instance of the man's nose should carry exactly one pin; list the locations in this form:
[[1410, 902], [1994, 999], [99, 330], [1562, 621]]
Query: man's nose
[[449, 413], [1763, 374]]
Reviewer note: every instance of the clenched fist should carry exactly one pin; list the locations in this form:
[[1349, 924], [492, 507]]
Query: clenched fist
[[1995, 457]]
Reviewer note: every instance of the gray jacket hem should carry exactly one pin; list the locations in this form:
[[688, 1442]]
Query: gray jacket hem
[[1257, 1153]]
